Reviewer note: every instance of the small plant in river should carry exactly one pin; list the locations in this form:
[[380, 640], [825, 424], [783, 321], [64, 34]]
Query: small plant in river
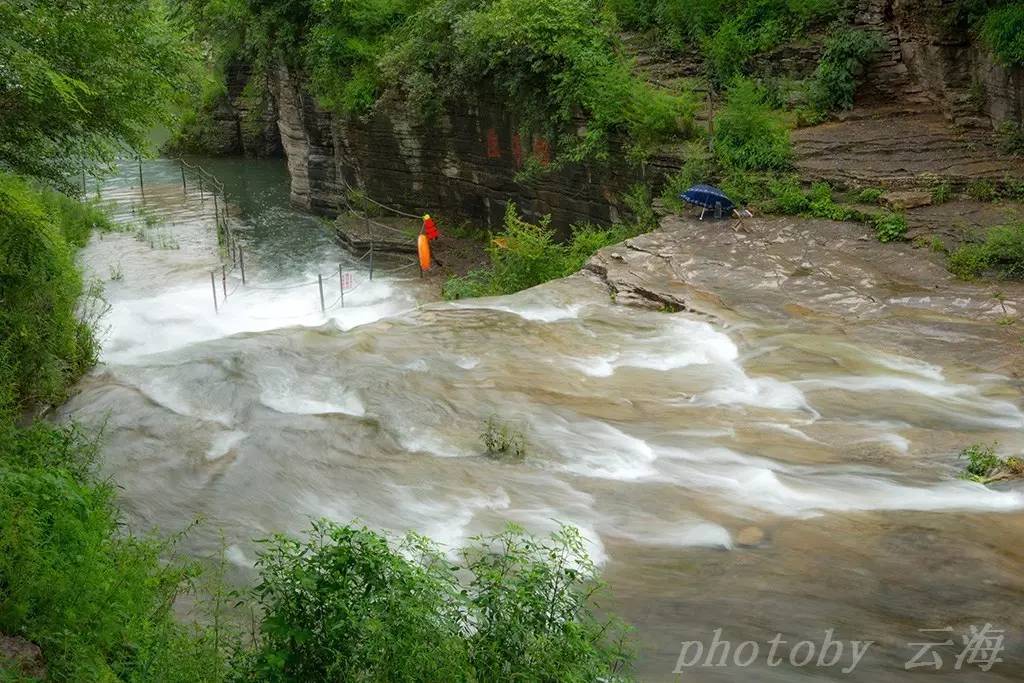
[[501, 440], [984, 465]]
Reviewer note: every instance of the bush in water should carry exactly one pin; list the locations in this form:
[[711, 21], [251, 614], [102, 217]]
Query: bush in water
[[347, 604], [501, 440]]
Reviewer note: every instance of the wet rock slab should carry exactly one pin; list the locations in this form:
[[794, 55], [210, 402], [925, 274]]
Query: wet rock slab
[[822, 274]]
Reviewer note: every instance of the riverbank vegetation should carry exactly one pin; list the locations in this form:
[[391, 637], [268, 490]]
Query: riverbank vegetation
[[526, 254], [985, 466]]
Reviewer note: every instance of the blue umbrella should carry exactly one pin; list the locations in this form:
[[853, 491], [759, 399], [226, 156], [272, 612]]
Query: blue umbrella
[[706, 197]]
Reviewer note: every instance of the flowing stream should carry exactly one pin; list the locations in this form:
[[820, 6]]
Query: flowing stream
[[661, 436]]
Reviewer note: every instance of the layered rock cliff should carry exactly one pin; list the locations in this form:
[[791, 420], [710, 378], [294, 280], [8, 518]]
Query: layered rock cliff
[[467, 163], [473, 158]]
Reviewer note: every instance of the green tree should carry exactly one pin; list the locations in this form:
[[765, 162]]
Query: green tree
[[83, 79]]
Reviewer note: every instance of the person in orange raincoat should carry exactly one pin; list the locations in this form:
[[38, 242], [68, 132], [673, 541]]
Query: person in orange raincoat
[[429, 229]]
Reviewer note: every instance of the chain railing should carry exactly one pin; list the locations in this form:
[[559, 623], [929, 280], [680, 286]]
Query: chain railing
[[209, 184]]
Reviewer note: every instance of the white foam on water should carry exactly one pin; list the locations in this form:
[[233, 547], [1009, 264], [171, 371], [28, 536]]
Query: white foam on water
[[788, 429], [685, 532], [445, 520], [798, 492], [173, 395], [291, 394], [680, 344], [595, 449], [761, 392], [467, 363], [525, 308], [895, 441], [181, 316], [236, 556], [966, 403], [910, 366], [223, 443], [416, 438]]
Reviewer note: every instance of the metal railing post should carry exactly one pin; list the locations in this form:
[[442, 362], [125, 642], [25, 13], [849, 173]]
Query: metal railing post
[[213, 286], [224, 279], [184, 188], [370, 230], [341, 285], [241, 264], [320, 284], [142, 185]]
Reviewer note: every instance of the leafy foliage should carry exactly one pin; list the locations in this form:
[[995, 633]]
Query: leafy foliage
[[44, 347], [729, 33], [847, 52], [527, 254], [558, 60], [347, 604], [81, 81], [1003, 29], [502, 440], [749, 136], [1002, 252], [890, 227], [98, 602]]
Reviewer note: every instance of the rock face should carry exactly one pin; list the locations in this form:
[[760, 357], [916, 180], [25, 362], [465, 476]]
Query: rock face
[[241, 122], [928, 84], [928, 58], [466, 164], [802, 274]]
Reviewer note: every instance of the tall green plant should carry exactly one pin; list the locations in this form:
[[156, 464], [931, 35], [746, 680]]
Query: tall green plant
[[348, 604], [43, 344], [847, 52], [749, 135]]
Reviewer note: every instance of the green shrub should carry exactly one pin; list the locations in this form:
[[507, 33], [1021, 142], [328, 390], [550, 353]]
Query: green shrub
[[401, 611], [1003, 30], [44, 347], [698, 167], [501, 440], [1002, 251], [968, 262], [98, 602], [788, 198], [749, 135], [941, 193], [1011, 137], [525, 254], [870, 195], [1013, 188], [982, 461], [982, 190], [890, 227], [847, 52]]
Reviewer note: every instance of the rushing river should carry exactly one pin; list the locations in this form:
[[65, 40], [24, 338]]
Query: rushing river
[[661, 436]]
